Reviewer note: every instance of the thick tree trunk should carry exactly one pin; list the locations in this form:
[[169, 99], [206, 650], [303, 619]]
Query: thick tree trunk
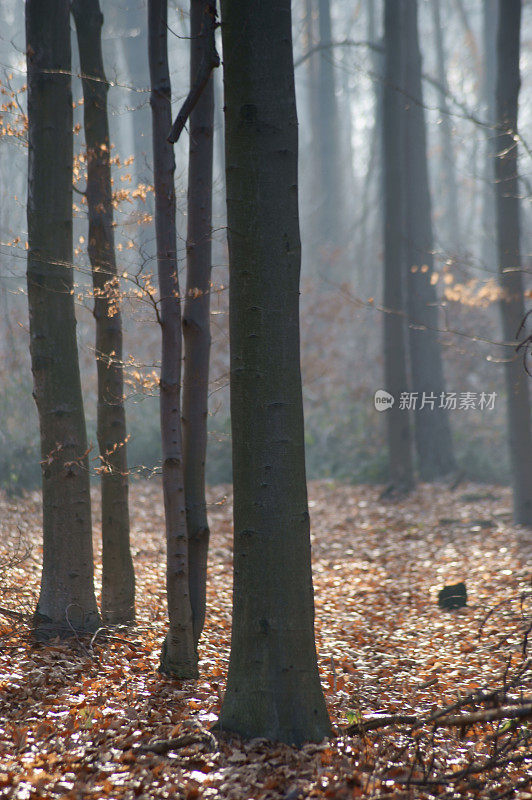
[[178, 656], [510, 266], [432, 429], [273, 687], [66, 602], [447, 177], [395, 347], [118, 579], [196, 318]]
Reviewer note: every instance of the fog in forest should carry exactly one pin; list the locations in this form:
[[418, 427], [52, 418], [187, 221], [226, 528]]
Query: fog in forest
[[340, 83]]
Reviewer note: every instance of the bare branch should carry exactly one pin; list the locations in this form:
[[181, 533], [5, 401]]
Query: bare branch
[[210, 61]]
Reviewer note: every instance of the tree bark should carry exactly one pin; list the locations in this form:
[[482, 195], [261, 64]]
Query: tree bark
[[395, 348], [196, 317], [66, 602], [273, 687], [509, 251], [433, 439], [118, 578], [178, 656]]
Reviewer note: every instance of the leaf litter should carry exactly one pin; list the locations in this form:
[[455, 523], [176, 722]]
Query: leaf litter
[[93, 718]]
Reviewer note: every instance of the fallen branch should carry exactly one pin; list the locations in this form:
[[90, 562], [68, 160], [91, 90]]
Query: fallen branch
[[210, 61], [449, 721], [7, 612], [162, 746]]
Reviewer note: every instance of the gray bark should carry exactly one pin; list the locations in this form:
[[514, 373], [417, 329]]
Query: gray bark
[[395, 347], [66, 601], [273, 687], [118, 578], [196, 317], [432, 429], [179, 657], [509, 251]]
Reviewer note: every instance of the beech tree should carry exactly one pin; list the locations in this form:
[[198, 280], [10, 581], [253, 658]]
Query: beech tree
[[432, 430], [399, 439], [273, 687], [179, 657], [196, 315], [118, 578], [509, 252], [66, 602]]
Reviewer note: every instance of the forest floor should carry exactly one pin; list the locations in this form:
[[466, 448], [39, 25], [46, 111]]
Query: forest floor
[[74, 716]]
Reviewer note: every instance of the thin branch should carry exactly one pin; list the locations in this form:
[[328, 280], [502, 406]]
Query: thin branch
[[451, 721], [162, 746], [316, 48], [210, 61]]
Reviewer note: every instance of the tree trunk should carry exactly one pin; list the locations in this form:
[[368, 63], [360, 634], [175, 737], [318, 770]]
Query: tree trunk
[[489, 247], [178, 656], [118, 579], [196, 318], [395, 348], [66, 602], [447, 177], [273, 687], [511, 279], [328, 151], [432, 429]]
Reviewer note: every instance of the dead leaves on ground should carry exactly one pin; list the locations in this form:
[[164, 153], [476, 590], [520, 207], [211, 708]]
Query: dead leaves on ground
[[77, 719]]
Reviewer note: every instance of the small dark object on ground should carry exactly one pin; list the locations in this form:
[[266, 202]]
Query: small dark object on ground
[[454, 596]]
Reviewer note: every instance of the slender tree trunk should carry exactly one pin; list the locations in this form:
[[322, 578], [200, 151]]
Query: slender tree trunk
[[510, 266], [489, 245], [432, 429], [329, 149], [273, 687], [447, 179], [395, 347], [118, 579], [196, 318], [66, 602], [178, 656]]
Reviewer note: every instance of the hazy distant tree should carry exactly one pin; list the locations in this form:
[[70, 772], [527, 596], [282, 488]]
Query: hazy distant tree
[[433, 439], [196, 316], [179, 657], [510, 265], [118, 578], [447, 173], [66, 600], [273, 687], [328, 142], [489, 29], [395, 343]]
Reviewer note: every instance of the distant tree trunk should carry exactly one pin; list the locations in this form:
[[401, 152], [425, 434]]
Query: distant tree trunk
[[118, 579], [510, 266], [196, 318], [273, 687], [432, 430], [178, 656], [395, 347], [328, 145], [66, 602], [489, 247], [447, 175]]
